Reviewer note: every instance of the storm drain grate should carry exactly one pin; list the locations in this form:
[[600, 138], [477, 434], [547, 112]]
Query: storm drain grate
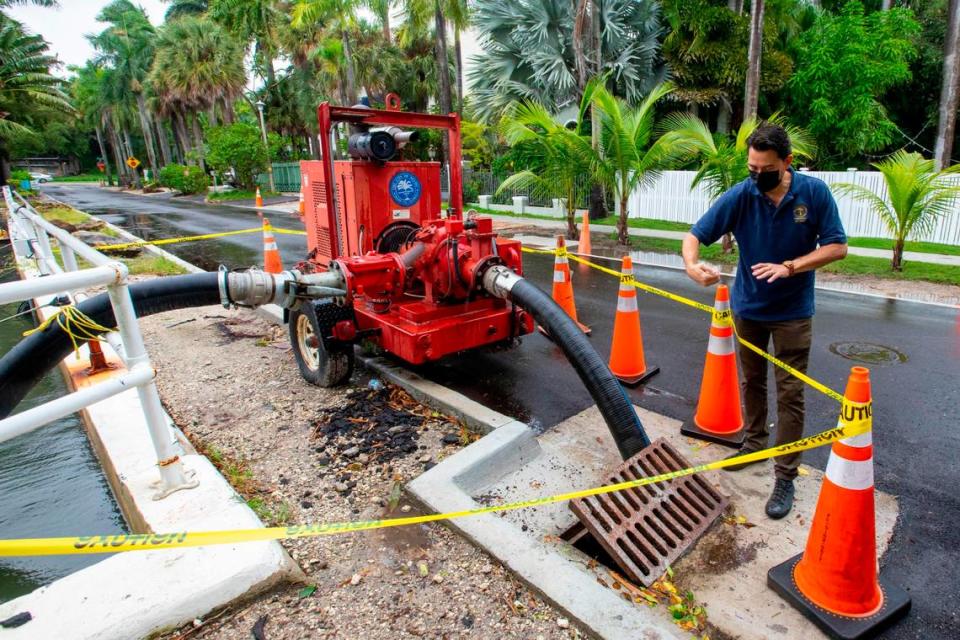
[[645, 529]]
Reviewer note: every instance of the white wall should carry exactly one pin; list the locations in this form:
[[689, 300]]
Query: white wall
[[670, 198]]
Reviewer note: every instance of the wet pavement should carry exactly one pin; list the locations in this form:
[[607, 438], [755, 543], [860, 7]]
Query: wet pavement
[[913, 351]]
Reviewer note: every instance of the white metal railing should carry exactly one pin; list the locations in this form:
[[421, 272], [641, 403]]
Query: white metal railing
[[31, 235]]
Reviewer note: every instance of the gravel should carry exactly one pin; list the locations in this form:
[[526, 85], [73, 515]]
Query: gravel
[[230, 382]]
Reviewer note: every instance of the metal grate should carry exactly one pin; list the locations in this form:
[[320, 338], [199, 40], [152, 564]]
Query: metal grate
[[645, 529]]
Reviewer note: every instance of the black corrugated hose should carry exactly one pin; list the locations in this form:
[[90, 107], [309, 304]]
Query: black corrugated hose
[[24, 365], [619, 414]]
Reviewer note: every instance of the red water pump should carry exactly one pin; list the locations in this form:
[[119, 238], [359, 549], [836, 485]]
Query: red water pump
[[412, 271]]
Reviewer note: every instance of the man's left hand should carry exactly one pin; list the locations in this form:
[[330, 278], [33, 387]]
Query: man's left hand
[[769, 271]]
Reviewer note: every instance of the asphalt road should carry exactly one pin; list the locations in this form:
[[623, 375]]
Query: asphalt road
[[916, 395]]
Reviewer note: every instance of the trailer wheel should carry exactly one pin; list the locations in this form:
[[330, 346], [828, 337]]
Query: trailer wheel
[[325, 365]]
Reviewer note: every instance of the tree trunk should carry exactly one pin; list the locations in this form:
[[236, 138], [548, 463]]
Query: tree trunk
[[103, 154], [752, 89], [136, 174], [623, 235], [229, 115], [212, 115], [198, 140], [897, 262], [579, 57], [117, 154], [572, 232], [181, 127], [458, 58], [146, 127], [385, 18], [351, 70], [443, 61], [164, 142], [268, 67], [885, 5], [723, 116], [946, 125]]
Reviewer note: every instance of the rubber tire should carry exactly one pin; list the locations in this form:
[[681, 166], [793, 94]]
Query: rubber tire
[[333, 367]]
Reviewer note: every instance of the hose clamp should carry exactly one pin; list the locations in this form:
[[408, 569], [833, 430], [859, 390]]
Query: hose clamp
[[222, 284]]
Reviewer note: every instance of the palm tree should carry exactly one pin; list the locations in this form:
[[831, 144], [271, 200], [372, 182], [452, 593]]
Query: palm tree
[[917, 195], [530, 51], [86, 89], [181, 8], [340, 16], [752, 89], [557, 157], [630, 158], [950, 91], [257, 20], [198, 66], [26, 83], [127, 45]]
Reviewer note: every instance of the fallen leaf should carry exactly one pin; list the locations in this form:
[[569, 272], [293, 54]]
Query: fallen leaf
[[803, 472], [307, 591]]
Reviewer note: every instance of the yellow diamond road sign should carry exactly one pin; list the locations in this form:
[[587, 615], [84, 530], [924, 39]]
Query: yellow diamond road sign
[[132, 162]]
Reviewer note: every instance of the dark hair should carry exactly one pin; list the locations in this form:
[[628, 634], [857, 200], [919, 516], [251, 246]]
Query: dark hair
[[770, 137]]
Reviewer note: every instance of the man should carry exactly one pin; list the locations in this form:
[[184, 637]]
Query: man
[[786, 225]]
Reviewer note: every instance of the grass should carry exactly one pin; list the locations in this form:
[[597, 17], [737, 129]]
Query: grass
[[909, 245], [83, 177], [645, 223], [240, 194], [849, 266], [147, 264], [64, 214]]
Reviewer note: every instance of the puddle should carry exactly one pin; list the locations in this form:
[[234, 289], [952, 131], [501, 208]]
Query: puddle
[[868, 353]]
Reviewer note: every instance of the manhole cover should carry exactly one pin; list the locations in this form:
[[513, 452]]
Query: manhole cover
[[868, 353]]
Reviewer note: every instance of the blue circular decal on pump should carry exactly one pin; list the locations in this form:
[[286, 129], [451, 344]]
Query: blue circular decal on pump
[[405, 188]]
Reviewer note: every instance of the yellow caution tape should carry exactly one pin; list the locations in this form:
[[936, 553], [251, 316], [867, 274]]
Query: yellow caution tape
[[206, 236], [113, 543], [721, 317], [75, 323]]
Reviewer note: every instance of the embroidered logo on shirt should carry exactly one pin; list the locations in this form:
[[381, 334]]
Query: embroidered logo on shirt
[[800, 213]]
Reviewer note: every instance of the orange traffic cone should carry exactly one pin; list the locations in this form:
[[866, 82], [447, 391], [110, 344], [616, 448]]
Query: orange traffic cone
[[563, 286], [271, 254], [259, 201], [626, 352], [302, 206], [834, 582], [719, 417], [584, 248]]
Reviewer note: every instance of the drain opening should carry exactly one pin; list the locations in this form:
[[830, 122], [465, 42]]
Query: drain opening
[[868, 353]]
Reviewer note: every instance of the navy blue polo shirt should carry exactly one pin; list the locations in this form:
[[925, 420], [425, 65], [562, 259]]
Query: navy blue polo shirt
[[807, 217]]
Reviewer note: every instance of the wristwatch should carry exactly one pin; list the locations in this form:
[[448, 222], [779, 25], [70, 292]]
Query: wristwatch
[[789, 265]]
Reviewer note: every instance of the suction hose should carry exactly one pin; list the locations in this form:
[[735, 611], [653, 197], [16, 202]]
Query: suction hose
[[604, 388], [24, 365]]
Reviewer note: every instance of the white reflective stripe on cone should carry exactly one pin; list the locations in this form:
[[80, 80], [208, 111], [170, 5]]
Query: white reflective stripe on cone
[[860, 440], [270, 246], [850, 474], [559, 276], [719, 346], [626, 303]]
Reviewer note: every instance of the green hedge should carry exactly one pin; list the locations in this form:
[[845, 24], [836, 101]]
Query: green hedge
[[185, 179]]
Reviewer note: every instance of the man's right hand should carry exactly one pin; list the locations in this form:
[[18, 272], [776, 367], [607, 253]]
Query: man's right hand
[[703, 274]]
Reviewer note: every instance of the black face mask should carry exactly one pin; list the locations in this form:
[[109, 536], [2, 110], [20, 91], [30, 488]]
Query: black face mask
[[766, 180]]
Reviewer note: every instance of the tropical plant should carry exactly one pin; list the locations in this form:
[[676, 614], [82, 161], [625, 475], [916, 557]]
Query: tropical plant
[[259, 21], [127, 46], [556, 157], [238, 147], [182, 8], [186, 180], [917, 196], [845, 64], [339, 14], [630, 157], [26, 84], [530, 52], [723, 161]]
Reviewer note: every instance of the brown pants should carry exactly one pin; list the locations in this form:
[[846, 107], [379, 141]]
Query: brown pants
[[791, 343]]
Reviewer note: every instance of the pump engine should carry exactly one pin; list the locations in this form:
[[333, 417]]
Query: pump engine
[[412, 271]]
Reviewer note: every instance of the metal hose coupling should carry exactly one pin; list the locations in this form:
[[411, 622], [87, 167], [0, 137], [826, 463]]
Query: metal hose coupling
[[499, 280], [254, 287]]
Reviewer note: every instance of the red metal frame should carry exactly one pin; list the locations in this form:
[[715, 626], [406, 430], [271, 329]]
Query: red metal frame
[[328, 115]]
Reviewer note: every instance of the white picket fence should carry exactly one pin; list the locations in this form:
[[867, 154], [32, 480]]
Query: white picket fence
[[671, 198]]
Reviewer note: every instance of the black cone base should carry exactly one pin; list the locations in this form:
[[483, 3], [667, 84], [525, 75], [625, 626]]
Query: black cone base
[[732, 440], [636, 381], [896, 604]]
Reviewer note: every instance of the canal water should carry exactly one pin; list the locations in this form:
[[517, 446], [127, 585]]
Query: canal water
[[50, 481]]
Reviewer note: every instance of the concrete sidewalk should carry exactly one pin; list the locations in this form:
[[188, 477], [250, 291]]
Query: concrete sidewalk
[[915, 256]]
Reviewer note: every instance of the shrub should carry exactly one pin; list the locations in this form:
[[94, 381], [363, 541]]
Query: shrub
[[239, 147], [185, 179], [16, 176], [471, 191]]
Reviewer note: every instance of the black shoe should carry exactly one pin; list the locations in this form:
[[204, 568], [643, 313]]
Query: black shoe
[[781, 500], [738, 467]]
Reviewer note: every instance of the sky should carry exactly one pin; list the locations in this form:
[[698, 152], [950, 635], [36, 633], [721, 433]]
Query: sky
[[66, 28]]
